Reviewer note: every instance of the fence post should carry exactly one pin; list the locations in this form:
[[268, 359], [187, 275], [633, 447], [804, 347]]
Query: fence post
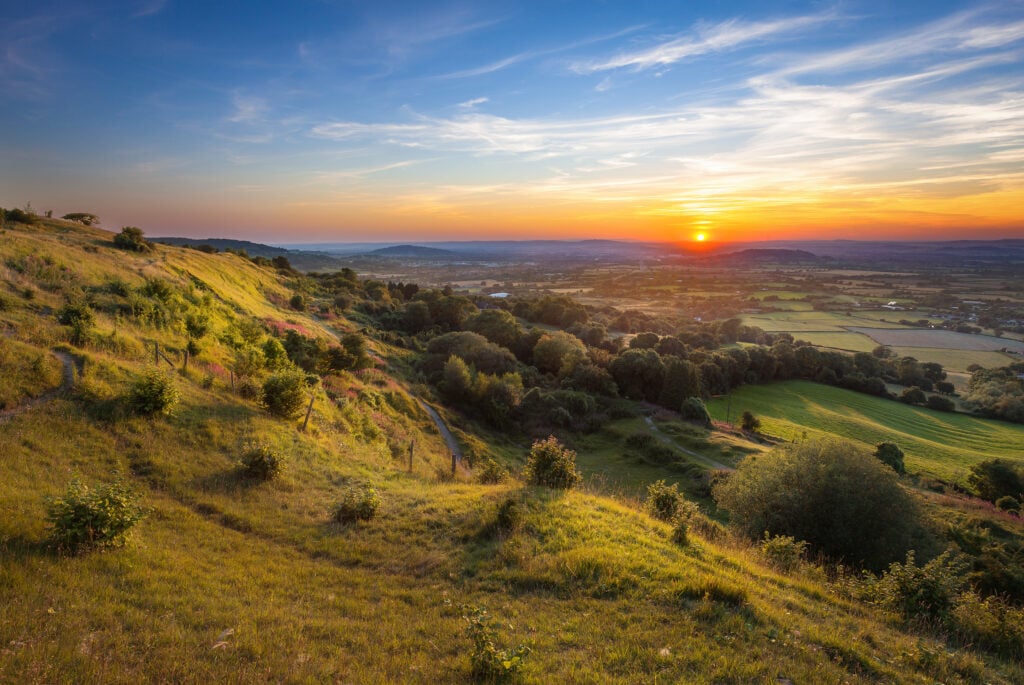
[[309, 410], [412, 445]]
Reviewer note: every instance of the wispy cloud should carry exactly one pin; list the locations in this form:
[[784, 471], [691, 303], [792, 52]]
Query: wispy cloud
[[715, 38]]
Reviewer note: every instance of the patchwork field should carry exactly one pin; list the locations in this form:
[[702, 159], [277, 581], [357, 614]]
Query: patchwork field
[[949, 340], [852, 342], [957, 360], [937, 444]]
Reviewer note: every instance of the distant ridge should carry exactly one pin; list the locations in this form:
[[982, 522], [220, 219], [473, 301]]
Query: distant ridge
[[252, 249], [766, 255], [415, 251]]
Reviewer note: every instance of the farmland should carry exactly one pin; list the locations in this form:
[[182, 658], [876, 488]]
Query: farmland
[[937, 444]]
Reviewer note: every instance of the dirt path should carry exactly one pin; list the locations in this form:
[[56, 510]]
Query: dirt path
[[698, 457], [442, 427], [66, 384]]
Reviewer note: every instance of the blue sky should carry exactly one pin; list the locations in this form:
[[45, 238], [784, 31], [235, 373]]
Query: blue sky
[[302, 120]]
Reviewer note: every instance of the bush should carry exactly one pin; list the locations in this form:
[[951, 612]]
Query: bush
[[890, 454], [939, 403], [489, 663], [298, 302], [693, 409], [79, 316], [681, 533], [551, 465], [783, 551], [153, 392], [132, 238], [921, 592], [1008, 503], [839, 498], [92, 517], [284, 393], [261, 461], [749, 422], [492, 473], [663, 502], [995, 478], [357, 503]]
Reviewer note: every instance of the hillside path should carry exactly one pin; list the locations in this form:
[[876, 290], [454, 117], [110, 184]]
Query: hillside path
[[442, 427], [66, 384], [698, 457]]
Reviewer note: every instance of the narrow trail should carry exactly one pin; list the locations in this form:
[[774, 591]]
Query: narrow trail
[[442, 427], [698, 457], [66, 384]]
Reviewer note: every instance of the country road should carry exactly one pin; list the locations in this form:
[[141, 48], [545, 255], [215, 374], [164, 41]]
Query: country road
[[449, 439]]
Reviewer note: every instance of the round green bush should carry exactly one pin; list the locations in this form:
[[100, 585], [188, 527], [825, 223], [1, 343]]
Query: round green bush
[[86, 517], [552, 465], [153, 392], [284, 393], [663, 502], [261, 461], [357, 503]]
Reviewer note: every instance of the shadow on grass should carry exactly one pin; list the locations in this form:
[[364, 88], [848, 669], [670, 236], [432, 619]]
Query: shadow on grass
[[20, 547]]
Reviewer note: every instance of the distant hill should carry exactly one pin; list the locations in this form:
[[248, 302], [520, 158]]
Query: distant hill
[[223, 244], [414, 251], [764, 255]]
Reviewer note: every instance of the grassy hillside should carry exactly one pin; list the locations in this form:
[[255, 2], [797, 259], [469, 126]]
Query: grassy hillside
[[936, 443], [229, 579]]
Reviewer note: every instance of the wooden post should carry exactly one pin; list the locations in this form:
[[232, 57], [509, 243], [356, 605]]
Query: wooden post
[[309, 410], [453, 464], [412, 446]]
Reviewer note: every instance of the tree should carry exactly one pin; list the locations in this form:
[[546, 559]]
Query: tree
[[835, 496], [693, 409], [749, 422], [889, 453], [83, 218], [912, 395], [284, 393], [639, 374], [497, 325], [558, 352], [682, 380], [132, 238]]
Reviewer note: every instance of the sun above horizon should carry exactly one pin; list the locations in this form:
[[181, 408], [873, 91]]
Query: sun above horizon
[[700, 237]]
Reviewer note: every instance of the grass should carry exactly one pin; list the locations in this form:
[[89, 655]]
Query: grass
[[852, 342], [938, 444], [950, 340], [28, 372], [957, 360]]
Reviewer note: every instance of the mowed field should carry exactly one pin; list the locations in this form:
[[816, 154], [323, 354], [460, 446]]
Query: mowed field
[[947, 340], [938, 444]]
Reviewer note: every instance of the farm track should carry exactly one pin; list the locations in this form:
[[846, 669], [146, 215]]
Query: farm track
[[697, 456]]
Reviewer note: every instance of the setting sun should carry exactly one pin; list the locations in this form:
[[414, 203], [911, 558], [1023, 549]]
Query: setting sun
[[700, 237]]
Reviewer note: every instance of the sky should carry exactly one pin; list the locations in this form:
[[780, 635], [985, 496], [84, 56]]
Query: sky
[[334, 121]]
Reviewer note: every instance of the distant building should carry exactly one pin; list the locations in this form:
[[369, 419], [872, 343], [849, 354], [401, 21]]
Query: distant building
[[499, 295]]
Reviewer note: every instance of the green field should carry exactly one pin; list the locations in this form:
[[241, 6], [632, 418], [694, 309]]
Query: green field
[[852, 342], [936, 443], [957, 360]]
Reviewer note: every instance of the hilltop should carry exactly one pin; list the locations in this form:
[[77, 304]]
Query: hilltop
[[233, 578]]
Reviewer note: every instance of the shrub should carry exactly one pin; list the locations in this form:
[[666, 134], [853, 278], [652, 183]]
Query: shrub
[[939, 403], [921, 592], [749, 422], [284, 393], [912, 395], [357, 503], [840, 499], [663, 502], [79, 316], [489, 663], [1007, 503], [681, 532], [552, 465], [132, 238], [492, 473], [92, 517], [890, 454], [298, 302], [693, 409], [995, 478], [783, 551], [991, 623], [261, 461], [153, 392]]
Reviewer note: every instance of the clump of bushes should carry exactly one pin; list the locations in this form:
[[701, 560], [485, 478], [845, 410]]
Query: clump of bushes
[[510, 517], [492, 473], [663, 502], [889, 453], [132, 238], [783, 551], [552, 465], [79, 316], [153, 392], [261, 461], [749, 422], [85, 517], [490, 663], [357, 503], [284, 393]]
